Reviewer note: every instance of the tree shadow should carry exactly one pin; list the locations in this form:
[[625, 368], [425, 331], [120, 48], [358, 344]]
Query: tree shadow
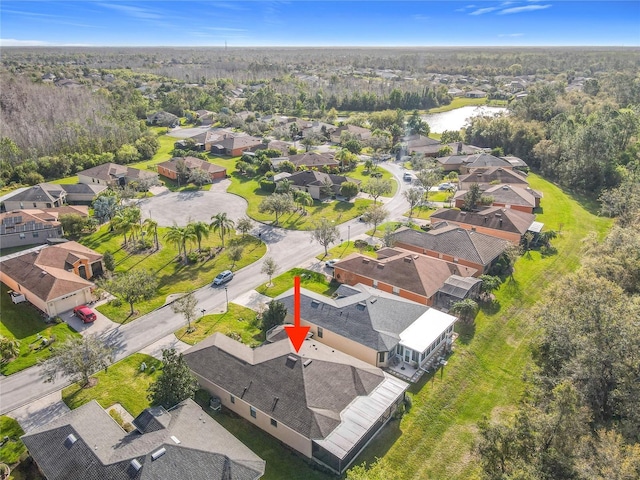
[[491, 307], [466, 332]]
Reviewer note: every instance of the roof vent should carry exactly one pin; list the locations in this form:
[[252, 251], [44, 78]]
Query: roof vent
[[307, 363], [315, 303], [498, 214], [407, 259], [158, 453], [275, 399], [365, 260], [374, 300], [361, 306], [175, 439], [291, 361], [70, 440], [135, 464], [506, 187]]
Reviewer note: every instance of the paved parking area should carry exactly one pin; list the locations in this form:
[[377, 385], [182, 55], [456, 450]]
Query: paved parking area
[[181, 207], [100, 325]]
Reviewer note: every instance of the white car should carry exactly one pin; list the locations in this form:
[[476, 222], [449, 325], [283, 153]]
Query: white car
[[331, 263], [223, 277], [446, 186]]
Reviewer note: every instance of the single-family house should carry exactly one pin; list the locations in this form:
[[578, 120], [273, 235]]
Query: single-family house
[[376, 327], [487, 177], [163, 119], [274, 145], [466, 163], [434, 150], [456, 289], [82, 193], [401, 272], [475, 94], [314, 160], [319, 401], [169, 168], [454, 244], [28, 227], [524, 199], [516, 162], [55, 278], [112, 174], [500, 222], [43, 195], [359, 133], [236, 145], [315, 182], [182, 443]]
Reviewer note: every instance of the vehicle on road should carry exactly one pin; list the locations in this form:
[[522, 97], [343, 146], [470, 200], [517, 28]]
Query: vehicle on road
[[223, 277], [407, 177], [85, 314], [331, 263]]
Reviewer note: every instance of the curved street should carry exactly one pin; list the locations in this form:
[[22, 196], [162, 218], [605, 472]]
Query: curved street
[[287, 247]]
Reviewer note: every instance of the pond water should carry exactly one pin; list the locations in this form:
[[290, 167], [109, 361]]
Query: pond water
[[457, 119]]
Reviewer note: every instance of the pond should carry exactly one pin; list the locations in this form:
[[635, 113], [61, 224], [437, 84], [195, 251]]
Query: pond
[[457, 118]]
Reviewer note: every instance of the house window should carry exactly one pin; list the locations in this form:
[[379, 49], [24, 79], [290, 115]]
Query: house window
[[36, 234], [22, 235], [48, 205], [232, 398], [414, 356], [396, 291], [375, 284], [274, 423], [35, 205], [21, 205], [252, 411], [320, 332], [381, 356]]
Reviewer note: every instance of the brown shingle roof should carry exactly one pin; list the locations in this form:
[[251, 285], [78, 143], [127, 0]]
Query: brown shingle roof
[[404, 269], [192, 162], [313, 159], [513, 221], [486, 176]]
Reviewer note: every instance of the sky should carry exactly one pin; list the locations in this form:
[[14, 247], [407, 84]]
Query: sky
[[319, 23]]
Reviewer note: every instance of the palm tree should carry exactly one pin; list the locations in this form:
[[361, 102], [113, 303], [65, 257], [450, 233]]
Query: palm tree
[[151, 226], [179, 236], [121, 223], [304, 199], [466, 309], [221, 224], [200, 230], [8, 349]]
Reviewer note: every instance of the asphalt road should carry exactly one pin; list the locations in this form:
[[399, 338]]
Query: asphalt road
[[288, 248]]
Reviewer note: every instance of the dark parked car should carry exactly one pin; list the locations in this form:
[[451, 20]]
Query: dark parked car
[[85, 314]]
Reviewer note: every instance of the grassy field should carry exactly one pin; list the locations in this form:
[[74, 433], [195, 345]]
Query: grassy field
[[364, 176], [172, 275], [238, 320], [314, 281], [123, 383], [24, 323], [249, 189], [345, 249], [13, 449], [484, 374]]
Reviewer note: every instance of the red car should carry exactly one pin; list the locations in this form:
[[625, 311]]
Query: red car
[[85, 314]]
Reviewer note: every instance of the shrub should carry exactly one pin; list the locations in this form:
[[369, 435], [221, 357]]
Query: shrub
[[116, 302], [267, 185]]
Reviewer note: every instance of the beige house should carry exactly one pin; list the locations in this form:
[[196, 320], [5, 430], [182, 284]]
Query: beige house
[[378, 328], [112, 174], [28, 227], [55, 278], [43, 195], [321, 402], [313, 182]]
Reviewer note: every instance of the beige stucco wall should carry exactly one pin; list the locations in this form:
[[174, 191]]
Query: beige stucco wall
[[87, 180], [14, 240], [263, 421]]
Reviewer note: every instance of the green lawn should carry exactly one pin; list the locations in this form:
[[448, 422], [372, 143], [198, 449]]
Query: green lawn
[[340, 212], [24, 323], [421, 213], [172, 275], [11, 451], [484, 374], [123, 383], [364, 176], [282, 463], [238, 320], [345, 249], [314, 281]]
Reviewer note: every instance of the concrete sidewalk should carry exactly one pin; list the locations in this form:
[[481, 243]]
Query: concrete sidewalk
[[40, 412]]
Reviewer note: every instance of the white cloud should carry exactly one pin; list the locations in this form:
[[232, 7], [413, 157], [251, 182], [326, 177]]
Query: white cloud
[[482, 11], [136, 12], [12, 42], [525, 8]]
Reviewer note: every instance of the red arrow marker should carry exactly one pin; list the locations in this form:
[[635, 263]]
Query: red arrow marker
[[296, 333]]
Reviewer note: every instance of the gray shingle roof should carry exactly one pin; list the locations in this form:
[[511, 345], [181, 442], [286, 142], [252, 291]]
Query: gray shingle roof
[[455, 241], [494, 175], [312, 177], [103, 451], [310, 398], [44, 192], [372, 318]]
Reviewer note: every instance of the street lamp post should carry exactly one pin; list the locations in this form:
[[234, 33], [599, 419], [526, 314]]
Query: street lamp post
[[203, 311], [226, 293]]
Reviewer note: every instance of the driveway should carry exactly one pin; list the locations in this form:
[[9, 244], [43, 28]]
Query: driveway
[[182, 207]]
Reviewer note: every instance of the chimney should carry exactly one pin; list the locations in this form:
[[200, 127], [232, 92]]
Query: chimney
[[459, 149]]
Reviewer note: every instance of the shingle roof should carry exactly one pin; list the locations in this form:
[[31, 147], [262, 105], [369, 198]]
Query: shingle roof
[[103, 450], [273, 379], [43, 192], [312, 177], [494, 175], [110, 171], [44, 273], [84, 188], [192, 162], [371, 317], [313, 159], [231, 143], [513, 221], [26, 221], [508, 194], [455, 241], [404, 269], [485, 160]]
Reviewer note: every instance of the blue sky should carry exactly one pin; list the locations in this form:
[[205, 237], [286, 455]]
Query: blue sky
[[319, 23]]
